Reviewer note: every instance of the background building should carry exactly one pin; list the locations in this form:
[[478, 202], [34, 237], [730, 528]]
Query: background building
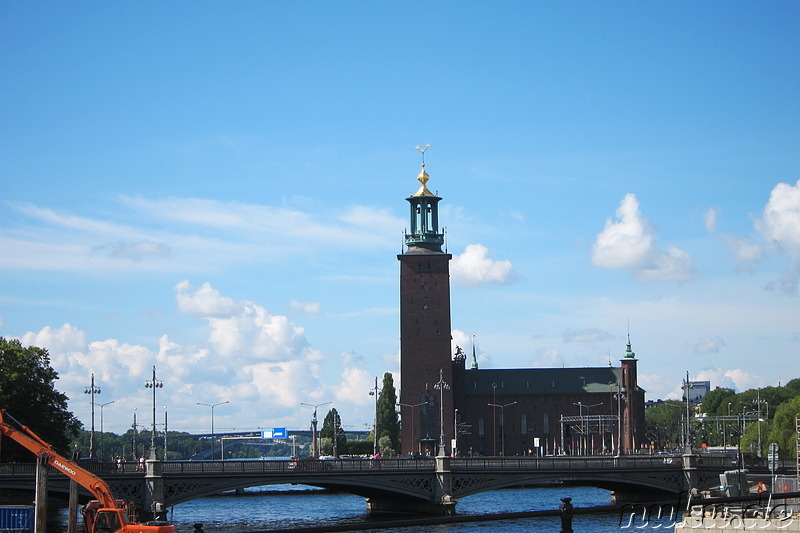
[[495, 411]]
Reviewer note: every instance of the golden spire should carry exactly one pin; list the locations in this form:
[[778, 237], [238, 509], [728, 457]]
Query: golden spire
[[423, 176]]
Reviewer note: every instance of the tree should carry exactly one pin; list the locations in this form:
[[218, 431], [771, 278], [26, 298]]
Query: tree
[[28, 393], [782, 428], [332, 425], [664, 423], [388, 424], [715, 402]]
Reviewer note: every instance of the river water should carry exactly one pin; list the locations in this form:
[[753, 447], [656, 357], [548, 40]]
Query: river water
[[283, 507]]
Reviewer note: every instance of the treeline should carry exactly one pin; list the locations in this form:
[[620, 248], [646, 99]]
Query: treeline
[[726, 418], [183, 446]]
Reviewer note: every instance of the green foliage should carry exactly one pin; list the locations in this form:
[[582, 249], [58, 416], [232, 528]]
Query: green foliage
[[664, 424], [28, 393], [388, 423], [716, 401], [357, 447], [782, 428], [332, 425], [326, 446], [385, 446]]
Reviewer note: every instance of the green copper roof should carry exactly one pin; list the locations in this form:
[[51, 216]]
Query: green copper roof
[[542, 380]]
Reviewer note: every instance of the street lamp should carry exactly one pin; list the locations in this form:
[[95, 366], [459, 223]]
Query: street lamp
[[375, 392], [441, 386], [102, 437], [584, 422], [165, 432], [153, 384], [314, 427], [502, 426], [758, 403], [620, 395], [212, 406], [494, 419], [91, 389], [686, 386]]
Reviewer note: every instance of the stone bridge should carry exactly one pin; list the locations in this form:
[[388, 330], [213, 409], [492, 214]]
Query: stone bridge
[[428, 485]]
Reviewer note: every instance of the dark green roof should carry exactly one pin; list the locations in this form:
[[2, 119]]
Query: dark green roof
[[542, 380]]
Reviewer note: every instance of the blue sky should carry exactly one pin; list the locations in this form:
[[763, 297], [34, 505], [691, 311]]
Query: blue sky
[[219, 190]]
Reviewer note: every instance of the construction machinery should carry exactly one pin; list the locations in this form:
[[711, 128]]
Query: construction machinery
[[102, 515]]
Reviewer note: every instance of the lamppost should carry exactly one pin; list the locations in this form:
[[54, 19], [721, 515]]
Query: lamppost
[[455, 432], [91, 389], [135, 437], [165, 432], [725, 428], [153, 384], [619, 395], [584, 422], [413, 427], [502, 426], [759, 402], [686, 386], [375, 392], [213, 439], [102, 437], [441, 386], [494, 419], [314, 448]]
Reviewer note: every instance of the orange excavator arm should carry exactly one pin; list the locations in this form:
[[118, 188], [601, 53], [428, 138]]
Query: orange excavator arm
[[28, 439]]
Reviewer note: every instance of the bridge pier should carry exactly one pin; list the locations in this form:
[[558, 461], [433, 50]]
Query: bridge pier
[[154, 494], [443, 502], [691, 478]]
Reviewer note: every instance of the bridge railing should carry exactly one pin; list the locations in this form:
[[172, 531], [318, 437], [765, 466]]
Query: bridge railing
[[393, 464], [562, 463], [303, 465]]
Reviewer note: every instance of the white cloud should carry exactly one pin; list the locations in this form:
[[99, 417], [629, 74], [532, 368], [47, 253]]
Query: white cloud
[[547, 358], [249, 356], [710, 219], [135, 251], [780, 227], [308, 308], [205, 301], [744, 249], [176, 234], [737, 379], [65, 339], [629, 244], [712, 345], [476, 267], [586, 335]]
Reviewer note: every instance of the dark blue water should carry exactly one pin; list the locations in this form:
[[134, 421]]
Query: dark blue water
[[286, 507]]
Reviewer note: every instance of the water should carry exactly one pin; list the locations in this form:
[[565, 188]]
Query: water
[[273, 508], [297, 506]]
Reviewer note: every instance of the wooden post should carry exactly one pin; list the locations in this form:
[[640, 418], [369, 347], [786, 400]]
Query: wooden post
[[72, 524], [40, 514]]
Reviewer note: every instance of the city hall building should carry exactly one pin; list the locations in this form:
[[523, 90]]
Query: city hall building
[[448, 405]]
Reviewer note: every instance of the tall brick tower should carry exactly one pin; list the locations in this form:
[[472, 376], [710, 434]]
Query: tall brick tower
[[426, 408], [633, 407]]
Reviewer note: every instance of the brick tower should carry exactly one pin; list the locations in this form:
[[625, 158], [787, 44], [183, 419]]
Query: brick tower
[[633, 406], [425, 367]]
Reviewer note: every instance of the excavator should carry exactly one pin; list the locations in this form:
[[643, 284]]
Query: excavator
[[103, 515]]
